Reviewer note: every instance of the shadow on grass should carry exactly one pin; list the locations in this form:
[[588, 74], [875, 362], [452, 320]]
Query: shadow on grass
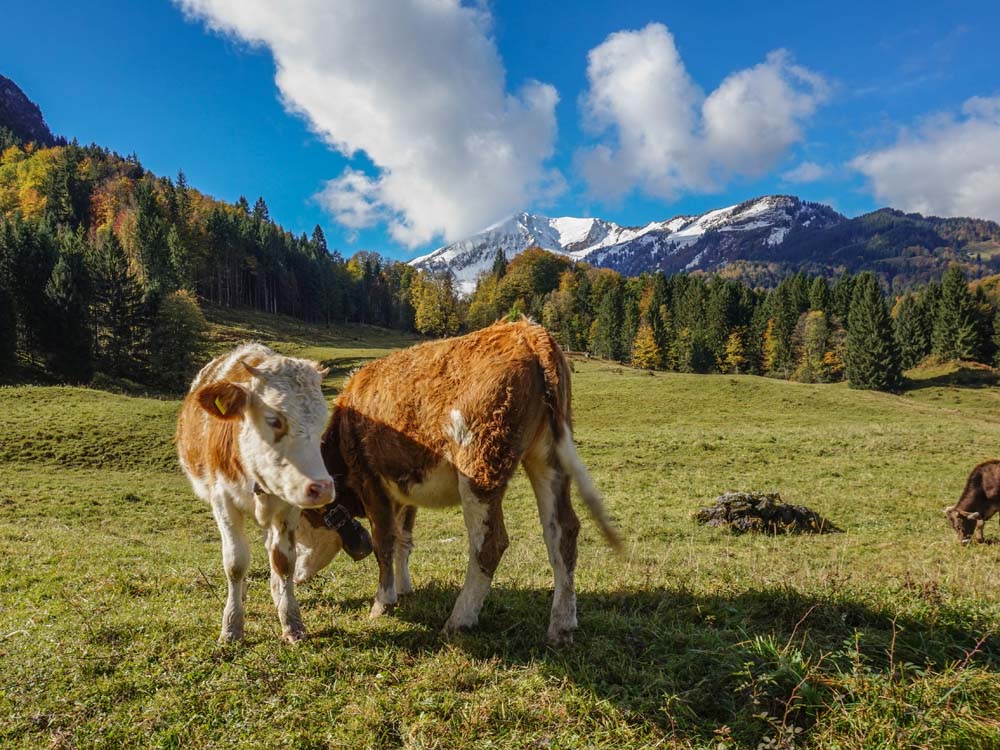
[[688, 664]]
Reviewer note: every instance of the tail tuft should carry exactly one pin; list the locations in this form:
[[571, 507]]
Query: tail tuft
[[571, 463]]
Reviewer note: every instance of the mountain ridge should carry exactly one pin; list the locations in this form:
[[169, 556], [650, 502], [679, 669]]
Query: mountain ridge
[[22, 116], [776, 234]]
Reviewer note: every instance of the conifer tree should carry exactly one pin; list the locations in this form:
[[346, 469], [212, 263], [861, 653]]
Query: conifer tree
[[68, 337], [913, 331], [780, 355], [872, 357], [605, 338], [956, 333], [841, 295], [318, 242], [260, 211], [8, 330], [118, 311], [499, 269], [819, 295]]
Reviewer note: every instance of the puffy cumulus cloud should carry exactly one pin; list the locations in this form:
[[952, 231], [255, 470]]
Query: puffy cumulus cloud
[[807, 171], [947, 165], [419, 87], [664, 136]]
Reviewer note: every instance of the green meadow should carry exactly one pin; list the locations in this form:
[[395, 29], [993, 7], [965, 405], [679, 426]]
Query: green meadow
[[882, 636]]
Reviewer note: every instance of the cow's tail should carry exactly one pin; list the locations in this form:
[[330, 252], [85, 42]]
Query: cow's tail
[[555, 372]]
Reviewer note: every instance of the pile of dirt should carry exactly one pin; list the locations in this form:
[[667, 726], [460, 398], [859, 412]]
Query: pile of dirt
[[762, 513]]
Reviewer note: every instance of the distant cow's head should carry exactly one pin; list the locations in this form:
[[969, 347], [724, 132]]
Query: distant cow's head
[[967, 525], [283, 412]]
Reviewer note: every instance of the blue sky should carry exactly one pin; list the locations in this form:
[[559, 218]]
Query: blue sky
[[886, 103]]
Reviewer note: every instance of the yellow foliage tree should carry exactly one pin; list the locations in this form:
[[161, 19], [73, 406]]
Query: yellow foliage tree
[[735, 358], [645, 352]]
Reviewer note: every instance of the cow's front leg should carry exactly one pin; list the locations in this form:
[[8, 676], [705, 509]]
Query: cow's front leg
[[406, 515], [235, 561], [487, 542], [384, 538], [280, 542]]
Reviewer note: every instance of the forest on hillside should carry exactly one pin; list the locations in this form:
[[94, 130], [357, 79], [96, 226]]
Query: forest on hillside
[[104, 268]]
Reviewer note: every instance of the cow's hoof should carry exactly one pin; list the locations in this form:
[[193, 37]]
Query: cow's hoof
[[381, 608], [231, 636], [293, 636], [560, 637], [454, 626]]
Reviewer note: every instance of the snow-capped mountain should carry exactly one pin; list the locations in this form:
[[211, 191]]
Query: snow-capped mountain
[[752, 229]]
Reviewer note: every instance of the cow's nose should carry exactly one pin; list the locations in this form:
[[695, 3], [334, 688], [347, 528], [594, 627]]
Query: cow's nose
[[320, 492]]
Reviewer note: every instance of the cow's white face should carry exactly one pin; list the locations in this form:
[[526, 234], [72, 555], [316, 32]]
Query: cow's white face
[[283, 415]]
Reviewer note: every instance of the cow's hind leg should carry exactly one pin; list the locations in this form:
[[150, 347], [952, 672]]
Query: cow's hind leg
[[406, 516], [487, 542], [560, 527], [280, 542], [235, 561]]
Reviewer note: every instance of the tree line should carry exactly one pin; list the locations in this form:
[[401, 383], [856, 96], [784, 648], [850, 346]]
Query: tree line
[[104, 267], [805, 329]]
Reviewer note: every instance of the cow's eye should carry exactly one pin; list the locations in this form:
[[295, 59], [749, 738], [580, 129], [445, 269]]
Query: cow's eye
[[275, 422]]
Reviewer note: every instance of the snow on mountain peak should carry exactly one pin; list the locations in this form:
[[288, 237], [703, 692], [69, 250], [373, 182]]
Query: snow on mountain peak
[[679, 243]]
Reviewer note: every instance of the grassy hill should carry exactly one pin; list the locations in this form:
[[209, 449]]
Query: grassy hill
[[111, 586]]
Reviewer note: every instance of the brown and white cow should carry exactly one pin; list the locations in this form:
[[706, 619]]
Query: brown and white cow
[[447, 423], [248, 438]]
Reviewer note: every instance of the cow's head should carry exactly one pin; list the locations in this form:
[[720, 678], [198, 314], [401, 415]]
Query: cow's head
[[967, 525], [283, 413]]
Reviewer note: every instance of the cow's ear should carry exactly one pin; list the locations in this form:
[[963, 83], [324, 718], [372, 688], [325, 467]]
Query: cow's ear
[[223, 400]]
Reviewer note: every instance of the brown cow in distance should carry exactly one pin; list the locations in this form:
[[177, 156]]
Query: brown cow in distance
[[447, 423], [980, 500]]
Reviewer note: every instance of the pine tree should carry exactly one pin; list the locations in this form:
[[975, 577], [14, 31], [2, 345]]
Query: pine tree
[[260, 211], [118, 311], [784, 317], [605, 338], [68, 338], [658, 316], [912, 330], [499, 269], [645, 352], [819, 295], [872, 357], [8, 330], [956, 331], [318, 242], [841, 295]]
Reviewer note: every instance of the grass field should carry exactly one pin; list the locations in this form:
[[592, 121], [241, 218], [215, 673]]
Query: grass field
[[111, 586]]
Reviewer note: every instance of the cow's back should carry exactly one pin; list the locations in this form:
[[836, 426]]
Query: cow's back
[[477, 400]]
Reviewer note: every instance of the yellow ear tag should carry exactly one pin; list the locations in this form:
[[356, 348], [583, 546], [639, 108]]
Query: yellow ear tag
[[220, 406]]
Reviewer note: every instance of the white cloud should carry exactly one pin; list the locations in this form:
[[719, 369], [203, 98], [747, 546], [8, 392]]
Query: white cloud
[[420, 88], [807, 171], [947, 166], [664, 136]]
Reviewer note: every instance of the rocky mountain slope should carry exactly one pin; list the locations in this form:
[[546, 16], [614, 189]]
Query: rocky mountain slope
[[22, 116], [760, 239]]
